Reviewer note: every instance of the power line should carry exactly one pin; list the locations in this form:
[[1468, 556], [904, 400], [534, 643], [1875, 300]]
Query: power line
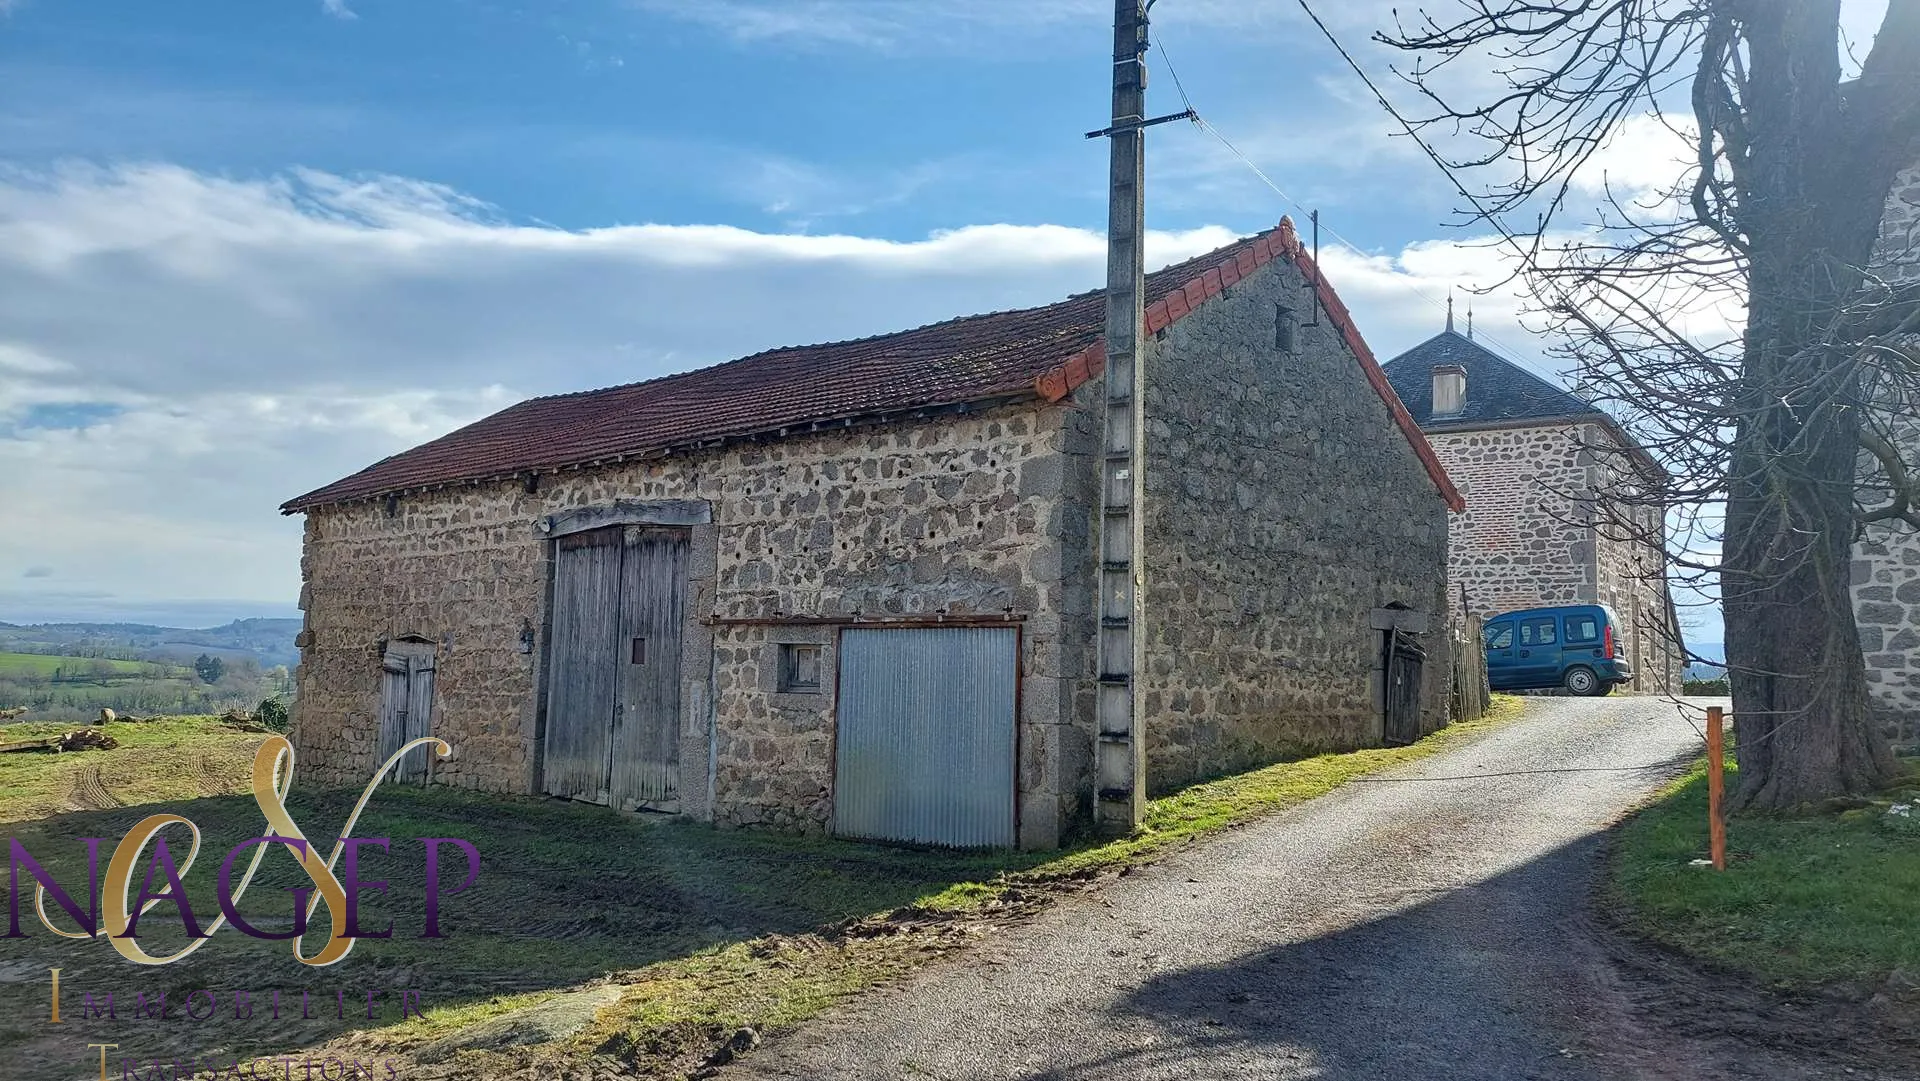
[[1201, 122], [1440, 163], [1412, 133]]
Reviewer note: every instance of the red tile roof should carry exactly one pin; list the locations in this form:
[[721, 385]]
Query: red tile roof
[[1039, 352]]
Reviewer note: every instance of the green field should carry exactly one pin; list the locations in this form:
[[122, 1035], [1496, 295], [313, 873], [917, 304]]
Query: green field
[[167, 758], [29, 665], [61, 688]]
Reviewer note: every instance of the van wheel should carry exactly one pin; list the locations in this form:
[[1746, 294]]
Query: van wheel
[[1582, 681]]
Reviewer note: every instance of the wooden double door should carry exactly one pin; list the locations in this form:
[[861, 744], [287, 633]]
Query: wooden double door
[[613, 667]]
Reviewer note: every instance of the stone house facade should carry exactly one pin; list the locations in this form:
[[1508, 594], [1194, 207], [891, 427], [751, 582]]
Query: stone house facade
[[1532, 460], [1886, 567], [850, 587]]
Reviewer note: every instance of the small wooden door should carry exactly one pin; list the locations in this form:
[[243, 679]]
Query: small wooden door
[[613, 684], [406, 706]]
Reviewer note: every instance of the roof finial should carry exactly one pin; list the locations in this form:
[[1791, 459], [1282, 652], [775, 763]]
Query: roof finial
[[1449, 309], [1469, 320]]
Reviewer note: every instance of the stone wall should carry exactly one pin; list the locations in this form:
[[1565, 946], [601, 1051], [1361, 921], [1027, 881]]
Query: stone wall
[[957, 516], [1284, 507], [1886, 569], [1525, 540], [1522, 541], [1632, 582], [1630, 573]]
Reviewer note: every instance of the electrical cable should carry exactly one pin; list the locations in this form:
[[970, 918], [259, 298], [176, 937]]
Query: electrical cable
[[1203, 124]]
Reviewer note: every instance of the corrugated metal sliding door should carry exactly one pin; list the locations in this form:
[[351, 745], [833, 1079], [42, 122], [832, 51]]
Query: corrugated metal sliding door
[[646, 732], [925, 739], [406, 706], [613, 682]]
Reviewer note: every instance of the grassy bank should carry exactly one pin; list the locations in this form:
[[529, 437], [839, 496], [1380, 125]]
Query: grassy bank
[[1816, 899], [168, 758]]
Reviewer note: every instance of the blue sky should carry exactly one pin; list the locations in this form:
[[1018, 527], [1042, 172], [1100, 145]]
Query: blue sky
[[878, 115], [249, 247]]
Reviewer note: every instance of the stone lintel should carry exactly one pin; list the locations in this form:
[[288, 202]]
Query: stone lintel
[[1400, 619], [675, 512]]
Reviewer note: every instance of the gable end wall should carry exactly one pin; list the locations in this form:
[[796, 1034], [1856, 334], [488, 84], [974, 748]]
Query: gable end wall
[[1524, 541], [1284, 506]]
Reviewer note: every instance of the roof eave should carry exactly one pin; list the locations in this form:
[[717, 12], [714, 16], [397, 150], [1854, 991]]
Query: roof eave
[[1455, 426], [318, 498]]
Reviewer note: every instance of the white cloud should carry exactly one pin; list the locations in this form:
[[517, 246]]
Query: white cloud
[[188, 351], [191, 350], [338, 9], [921, 25], [1641, 159]]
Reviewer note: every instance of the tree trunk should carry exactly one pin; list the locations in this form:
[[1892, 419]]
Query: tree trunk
[[1803, 724]]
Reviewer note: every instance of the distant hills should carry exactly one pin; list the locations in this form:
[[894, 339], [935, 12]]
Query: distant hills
[[1711, 651], [268, 641]]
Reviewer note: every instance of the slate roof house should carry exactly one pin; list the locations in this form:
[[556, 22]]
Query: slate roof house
[[1522, 450], [850, 587], [1886, 567]]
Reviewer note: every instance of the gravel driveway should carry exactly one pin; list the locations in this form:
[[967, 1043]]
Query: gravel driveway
[[1427, 925]]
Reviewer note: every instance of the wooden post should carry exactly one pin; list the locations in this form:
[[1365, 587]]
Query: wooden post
[[1716, 788]]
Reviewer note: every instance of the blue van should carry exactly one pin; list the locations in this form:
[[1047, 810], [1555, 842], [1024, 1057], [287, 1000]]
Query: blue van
[[1573, 646]]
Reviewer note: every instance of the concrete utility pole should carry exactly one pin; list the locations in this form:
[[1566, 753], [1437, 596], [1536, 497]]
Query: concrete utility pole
[[1120, 754]]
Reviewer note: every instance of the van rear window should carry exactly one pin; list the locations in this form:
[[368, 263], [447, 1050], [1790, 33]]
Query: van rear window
[[1583, 629]]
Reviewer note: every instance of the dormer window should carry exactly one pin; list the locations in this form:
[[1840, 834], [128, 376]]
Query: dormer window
[[1449, 390]]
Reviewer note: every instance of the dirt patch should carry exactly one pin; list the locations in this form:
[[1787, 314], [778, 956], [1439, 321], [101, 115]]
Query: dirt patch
[[1733, 1026]]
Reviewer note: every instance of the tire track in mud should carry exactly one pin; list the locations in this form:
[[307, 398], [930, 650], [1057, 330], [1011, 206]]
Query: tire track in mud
[[90, 792]]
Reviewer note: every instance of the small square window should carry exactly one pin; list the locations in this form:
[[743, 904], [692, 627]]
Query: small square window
[[799, 669]]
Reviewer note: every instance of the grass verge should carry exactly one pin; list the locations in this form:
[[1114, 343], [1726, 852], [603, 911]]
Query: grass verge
[[1827, 898]]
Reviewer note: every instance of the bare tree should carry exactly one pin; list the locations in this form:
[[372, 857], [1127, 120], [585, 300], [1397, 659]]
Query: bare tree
[[1736, 322]]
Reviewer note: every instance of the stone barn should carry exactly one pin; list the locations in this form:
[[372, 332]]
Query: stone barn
[[1529, 457], [850, 587]]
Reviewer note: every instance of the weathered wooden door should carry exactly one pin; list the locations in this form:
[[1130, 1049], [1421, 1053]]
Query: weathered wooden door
[[613, 684], [646, 709], [406, 706], [1405, 670]]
